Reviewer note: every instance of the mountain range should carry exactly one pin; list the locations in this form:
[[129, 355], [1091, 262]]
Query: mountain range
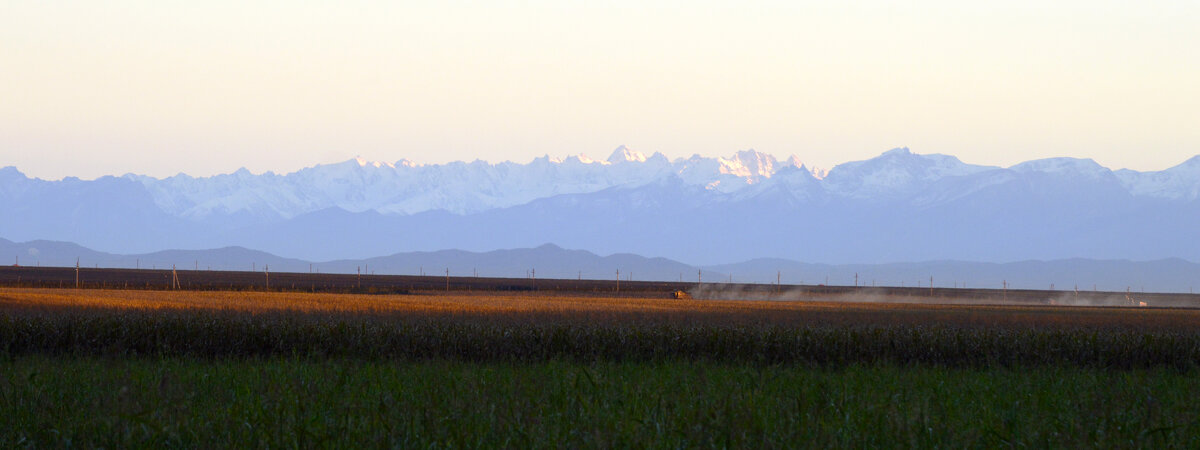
[[898, 207], [550, 261]]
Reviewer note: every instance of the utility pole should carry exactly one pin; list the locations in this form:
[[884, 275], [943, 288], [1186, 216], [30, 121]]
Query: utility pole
[[931, 285], [359, 269], [855, 279], [778, 281], [138, 264], [618, 281], [447, 279], [76, 272], [533, 275], [267, 275], [1006, 290], [699, 282]]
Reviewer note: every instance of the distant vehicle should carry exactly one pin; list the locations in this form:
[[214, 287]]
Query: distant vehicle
[[681, 295], [1133, 301]]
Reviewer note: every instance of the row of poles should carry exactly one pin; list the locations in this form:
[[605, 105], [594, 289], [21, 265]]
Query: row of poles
[[532, 273]]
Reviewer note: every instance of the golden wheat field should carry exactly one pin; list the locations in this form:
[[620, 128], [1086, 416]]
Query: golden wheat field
[[474, 303], [592, 308], [306, 302]]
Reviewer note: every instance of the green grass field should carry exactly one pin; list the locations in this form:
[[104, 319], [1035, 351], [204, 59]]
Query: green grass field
[[279, 402], [180, 369]]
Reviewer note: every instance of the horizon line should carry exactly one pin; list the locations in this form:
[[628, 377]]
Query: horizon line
[[578, 156]]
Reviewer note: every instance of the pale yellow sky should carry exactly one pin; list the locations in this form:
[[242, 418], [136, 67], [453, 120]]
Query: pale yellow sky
[[159, 87]]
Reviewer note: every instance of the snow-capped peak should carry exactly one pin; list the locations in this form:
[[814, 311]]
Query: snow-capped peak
[[1063, 165], [463, 188], [625, 154], [1179, 182], [895, 172], [548, 159], [749, 164], [794, 161], [367, 163]]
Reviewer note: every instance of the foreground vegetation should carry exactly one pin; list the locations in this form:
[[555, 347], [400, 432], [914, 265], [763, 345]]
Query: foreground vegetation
[[119, 369], [499, 329], [119, 403]]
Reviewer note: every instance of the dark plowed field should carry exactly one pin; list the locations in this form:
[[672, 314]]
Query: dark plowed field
[[92, 278]]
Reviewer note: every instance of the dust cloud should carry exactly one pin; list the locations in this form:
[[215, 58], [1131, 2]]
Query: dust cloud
[[844, 294]]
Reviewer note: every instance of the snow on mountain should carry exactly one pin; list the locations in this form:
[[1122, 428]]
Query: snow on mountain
[[899, 205], [404, 188], [895, 173], [458, 187], [1064, 167], [749, 165], [1181, 182], [625, 154], [794, 161], [790, 186]]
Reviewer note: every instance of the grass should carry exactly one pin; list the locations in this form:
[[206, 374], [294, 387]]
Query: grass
[[513, 329], [174, 402], [205, 369]]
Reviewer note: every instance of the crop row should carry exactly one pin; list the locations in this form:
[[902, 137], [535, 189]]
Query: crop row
[[293, 403], [475, 337]]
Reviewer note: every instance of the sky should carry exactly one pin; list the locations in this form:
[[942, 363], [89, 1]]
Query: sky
[[161, 87]]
